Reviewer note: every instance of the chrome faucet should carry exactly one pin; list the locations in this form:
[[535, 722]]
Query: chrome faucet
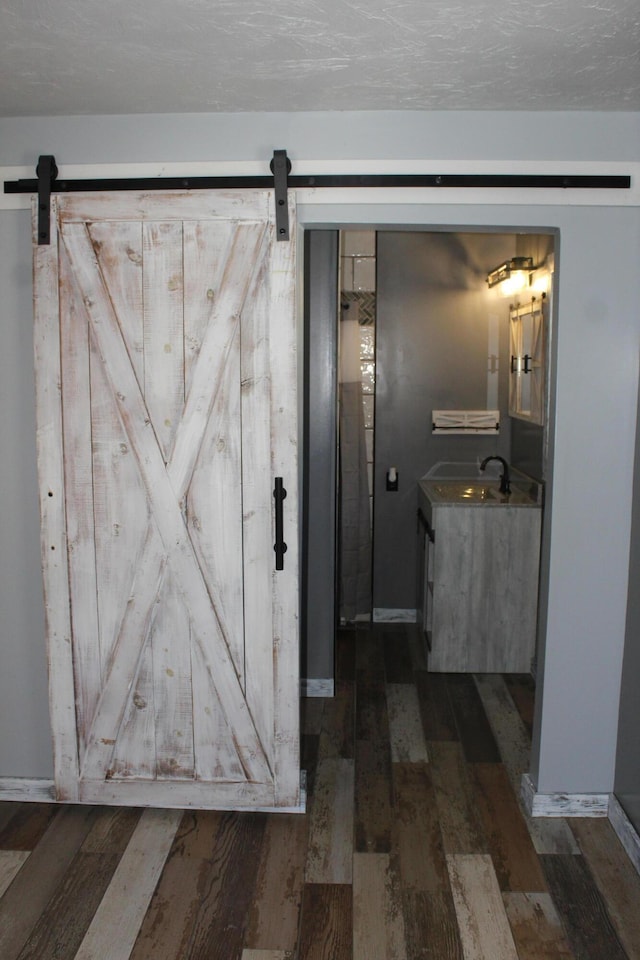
[[505, 482]]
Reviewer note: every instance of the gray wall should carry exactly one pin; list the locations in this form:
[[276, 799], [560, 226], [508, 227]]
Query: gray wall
[[318, 614], [627, 780], [433, 334], [588, 515]]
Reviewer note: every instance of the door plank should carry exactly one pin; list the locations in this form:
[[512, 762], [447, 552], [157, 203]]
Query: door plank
[[162, 300], [461, 827], [405, 726], [536, 927], [515, 860], [330, 852], [275, 912], [52, 511], [482, 920], [582, 910], [37, 881], [127, 897], [257, 480], [615, 876], [378, 927], [75, 363], [327, 922], [11, 862]]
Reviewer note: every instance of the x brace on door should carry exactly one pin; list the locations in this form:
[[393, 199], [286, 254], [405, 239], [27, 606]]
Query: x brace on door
[[167, 542]]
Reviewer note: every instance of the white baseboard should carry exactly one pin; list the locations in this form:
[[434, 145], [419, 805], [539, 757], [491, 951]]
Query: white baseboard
[[393, 615], [625, 830], [25, 789], [316, 687], [562, 804]]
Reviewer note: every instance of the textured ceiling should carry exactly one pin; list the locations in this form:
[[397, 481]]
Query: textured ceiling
[[165, 56]]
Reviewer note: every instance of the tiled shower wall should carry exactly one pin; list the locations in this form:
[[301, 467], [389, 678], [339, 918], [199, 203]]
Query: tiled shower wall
[[357, 286]]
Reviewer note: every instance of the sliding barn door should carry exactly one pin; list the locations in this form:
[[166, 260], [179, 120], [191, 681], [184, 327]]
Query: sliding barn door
[[166, 384]]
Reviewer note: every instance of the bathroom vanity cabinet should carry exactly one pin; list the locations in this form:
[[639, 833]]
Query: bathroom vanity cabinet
[[480, 581]]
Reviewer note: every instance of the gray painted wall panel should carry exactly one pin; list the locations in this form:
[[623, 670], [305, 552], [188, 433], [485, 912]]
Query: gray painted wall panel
[[321, 300], [434, 312]]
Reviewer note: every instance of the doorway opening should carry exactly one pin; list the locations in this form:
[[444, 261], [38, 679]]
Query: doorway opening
[[420, 331]]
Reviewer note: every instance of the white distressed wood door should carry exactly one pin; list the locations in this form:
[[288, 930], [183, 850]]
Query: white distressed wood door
[[166, 403]]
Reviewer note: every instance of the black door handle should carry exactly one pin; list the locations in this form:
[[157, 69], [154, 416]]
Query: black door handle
[[527, 360], [280, 547]]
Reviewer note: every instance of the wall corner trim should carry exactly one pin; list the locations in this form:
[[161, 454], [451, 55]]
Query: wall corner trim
[[25, 789], [561, 804], [316, 687], [625, 831]]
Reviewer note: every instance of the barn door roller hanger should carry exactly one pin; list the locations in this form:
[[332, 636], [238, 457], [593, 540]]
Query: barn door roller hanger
[[281, 181]]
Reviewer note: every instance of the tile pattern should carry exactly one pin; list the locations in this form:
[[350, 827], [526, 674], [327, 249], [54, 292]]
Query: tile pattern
[[414, 845]]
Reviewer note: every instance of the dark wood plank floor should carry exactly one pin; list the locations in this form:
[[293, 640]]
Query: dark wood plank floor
[[413, 846]]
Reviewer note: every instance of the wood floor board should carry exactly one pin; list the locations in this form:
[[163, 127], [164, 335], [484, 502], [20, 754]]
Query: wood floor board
[[438, 720], [536, 927], [63, 925], [43, 872], [378, 923], [482, 919], [127, 897], [370, 655], [346, 642], [219, 927], [183, 888], [398, 667], [460, 824], [372, 718], [309, 750], [27, 826], [337, 733], [326, 929], [267, 955], [311, 709], [372, 798], [431, 926], [514, 744], [8, 809], [330, 851], [11, 862], [274, 913], [615, 878], [473, 726], [523, 689], [405, 726], [585, 918], [417, 648], [401, 854], [416, 835], [514, 858]]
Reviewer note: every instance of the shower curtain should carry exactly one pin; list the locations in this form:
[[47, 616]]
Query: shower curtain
[[355, 519]]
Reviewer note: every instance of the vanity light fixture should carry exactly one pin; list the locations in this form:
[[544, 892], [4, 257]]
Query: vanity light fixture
[[513, 274]]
